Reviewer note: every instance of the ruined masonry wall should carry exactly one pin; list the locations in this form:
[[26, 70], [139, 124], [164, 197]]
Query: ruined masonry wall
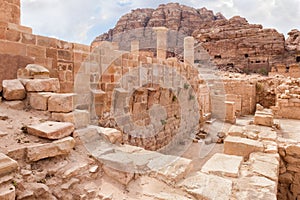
[[19, 47]]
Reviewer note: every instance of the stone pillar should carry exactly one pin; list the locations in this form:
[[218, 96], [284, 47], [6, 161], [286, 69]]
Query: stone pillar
[[230, 112], [189, 50], [161, 42], [10, 11], [135, 46]]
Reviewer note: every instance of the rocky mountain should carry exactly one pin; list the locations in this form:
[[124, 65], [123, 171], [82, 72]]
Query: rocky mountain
[[174, 16], [231, 43]]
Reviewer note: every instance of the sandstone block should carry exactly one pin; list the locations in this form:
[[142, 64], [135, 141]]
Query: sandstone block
[[80, 118], [112, 135], [7, 165], [17, 105], [42, 85], [56, 148], [293, 150], [13, 90], [223, 165], [51, 130], [33, 71], [61, 103], [241, 146], [7, 192], [207, 186], [120, 176], [39, 101], [264, 118]]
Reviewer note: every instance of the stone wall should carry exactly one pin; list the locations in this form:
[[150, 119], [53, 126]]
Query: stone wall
[[292, 70], [19, 47], [289, 178], [288, 99]]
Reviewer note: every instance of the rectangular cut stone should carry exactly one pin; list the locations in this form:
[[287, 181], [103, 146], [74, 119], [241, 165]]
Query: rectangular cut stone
[[223, 165], [56, 148], [61, 103], [80, 118], [265, 169], [51, 130], [42, 85], [7, 165], [207, 186], [111, 134], [230, 112], [13, 90], [39, 101], [263, 119], [170, 168], [241, 146], [236, 131], [33, 71]]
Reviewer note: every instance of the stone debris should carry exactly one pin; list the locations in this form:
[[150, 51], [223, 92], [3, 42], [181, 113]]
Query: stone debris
[[223, 165], [7, 165], [112, 135], [16, 105], [264, 118], [7, 192], [58, 147], [51, 130], [13, 90]]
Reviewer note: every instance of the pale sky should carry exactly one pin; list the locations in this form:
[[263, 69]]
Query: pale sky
[[82, 20]]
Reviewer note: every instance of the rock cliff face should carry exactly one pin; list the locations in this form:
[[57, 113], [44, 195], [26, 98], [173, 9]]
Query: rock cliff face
[[231, 43], [173, 16]]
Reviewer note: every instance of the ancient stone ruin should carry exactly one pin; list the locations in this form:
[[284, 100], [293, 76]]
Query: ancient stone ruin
[[150, 117]]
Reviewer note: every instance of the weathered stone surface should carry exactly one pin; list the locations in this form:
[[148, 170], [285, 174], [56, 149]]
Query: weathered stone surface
[[241, 146], [39, 101], [80, 118], [51, 130], [41, 151], [170, 168], [61, 103], [223, 165], [17, 105], [264, 119], [120, 176], [13, 90], [7, 192], [112, 135], [33, 71], [266, 165], [7, 165], [236, 131], [205, 186], [42, 85], [293, 150]]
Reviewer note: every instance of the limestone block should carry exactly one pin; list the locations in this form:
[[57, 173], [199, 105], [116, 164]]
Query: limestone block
[[111, 134], [56, 148], [80, 118], [236, 131], [120, 176], [7, 192], [223, 165], [207, 186], [241, 146], [7, 165], [33, 71], [74, 169], [51, 130], [61, 103], [39, 101], [13, 90], [42, 85]]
